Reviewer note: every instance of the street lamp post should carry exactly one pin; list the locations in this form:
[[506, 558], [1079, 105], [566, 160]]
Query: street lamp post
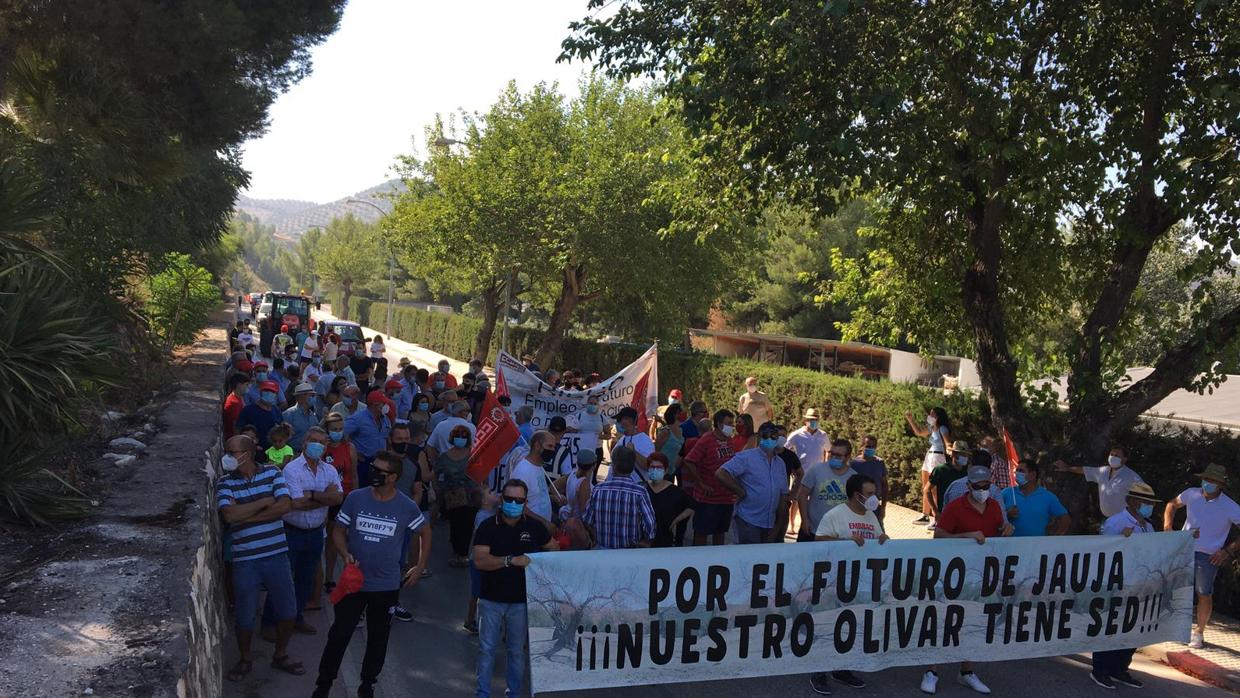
[[391, 264]]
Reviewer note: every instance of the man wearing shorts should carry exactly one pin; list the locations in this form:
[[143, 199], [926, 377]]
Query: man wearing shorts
[[713, 513], [1211, 514]]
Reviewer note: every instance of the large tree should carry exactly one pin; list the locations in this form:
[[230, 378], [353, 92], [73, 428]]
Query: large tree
[[573, 203], [350, 255], [1029, 157]]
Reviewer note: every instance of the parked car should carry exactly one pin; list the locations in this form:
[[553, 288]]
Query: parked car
[[352, 341]]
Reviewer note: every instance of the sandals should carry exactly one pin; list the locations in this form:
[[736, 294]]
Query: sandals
[[287, 665], [240, 670]]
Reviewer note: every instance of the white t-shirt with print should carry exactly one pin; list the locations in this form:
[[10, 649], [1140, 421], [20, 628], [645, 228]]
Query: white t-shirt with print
[[841, 522]]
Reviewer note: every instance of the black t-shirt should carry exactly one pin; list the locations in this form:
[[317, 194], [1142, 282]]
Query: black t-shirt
[[507, 584], [667, 504], [791, 462]]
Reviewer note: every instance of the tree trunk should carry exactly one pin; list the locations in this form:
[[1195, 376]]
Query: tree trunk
[[346, 294], [571, 296], [492, 299]]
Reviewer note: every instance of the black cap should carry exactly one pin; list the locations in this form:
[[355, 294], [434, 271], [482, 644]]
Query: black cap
[[557, 424]]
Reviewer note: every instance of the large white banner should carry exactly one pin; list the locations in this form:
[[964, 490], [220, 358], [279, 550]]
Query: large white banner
[[628, 617], [635, 385]]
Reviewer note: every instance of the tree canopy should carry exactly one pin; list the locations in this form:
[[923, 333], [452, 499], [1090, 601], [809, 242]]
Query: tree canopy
[[1027, 158]]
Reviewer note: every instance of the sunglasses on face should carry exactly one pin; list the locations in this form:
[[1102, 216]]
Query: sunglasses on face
[[514, 500], [381, 470], [979, 485]]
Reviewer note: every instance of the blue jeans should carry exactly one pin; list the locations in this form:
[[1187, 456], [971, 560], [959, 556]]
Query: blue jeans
[[251, 576], [492, 619], [1205, 571], [305, 551]]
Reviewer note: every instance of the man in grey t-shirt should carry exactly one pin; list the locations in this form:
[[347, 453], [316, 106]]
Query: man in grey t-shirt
[[823, 488], [371, 535]]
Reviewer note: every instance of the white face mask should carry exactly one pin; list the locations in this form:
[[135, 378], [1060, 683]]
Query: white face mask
[[1115, 461], [781, 441], [980, 495], [871, 503], [728, 430], [385, 410], [751, 389], [229, 463]]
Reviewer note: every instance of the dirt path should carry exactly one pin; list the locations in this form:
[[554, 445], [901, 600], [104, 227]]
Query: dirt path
[[99, 607]]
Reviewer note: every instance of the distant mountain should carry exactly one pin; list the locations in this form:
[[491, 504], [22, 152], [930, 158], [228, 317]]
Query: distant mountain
[[291, 218]]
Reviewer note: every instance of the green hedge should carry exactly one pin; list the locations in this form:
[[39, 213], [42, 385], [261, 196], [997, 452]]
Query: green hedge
[[852, 407]]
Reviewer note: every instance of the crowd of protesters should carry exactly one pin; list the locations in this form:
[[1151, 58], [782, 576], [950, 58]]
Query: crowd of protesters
[[335, 474]]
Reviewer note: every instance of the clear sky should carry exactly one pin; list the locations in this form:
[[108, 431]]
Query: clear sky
[[382, 77]]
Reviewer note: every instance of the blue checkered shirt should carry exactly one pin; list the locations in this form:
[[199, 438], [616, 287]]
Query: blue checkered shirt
[[620, 512]]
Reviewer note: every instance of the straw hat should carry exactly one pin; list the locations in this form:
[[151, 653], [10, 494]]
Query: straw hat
[[1142, 491], [812, 413]]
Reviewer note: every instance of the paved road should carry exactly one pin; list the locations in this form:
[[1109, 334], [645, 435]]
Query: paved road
[[433, 656]]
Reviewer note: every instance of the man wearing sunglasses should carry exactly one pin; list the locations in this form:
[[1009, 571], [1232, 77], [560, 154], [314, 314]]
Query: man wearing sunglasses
[[370, 534], [977, 516], [502, 545]]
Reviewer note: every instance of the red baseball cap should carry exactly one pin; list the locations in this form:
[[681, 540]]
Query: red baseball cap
[[676, 393], [393, 383], [269, 385], [244, 366], [261, 364], [376, 397]]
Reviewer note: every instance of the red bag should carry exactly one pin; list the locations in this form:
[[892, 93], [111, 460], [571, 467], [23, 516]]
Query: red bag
[[350, 583]]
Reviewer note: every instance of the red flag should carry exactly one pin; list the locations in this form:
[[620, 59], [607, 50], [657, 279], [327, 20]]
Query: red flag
[[1012, 458], [496, 436], [639, 403]]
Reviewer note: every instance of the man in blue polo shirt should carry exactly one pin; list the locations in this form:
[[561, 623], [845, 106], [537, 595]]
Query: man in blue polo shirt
[[263, 415], [1031, 509], [369, 429], [759, 479], [252, 498]]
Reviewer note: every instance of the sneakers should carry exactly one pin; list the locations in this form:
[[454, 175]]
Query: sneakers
[[401, 614], [922, 521], [970, 679], [1128, 680], [848, 679], [929, 682], [1197, 641], [820, 684], [1104, 681]]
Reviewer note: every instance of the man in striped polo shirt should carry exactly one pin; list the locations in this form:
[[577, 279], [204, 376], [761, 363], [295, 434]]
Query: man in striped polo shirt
[[252, 498]]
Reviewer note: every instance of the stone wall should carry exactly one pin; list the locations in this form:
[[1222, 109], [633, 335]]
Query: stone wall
[[208, 623]]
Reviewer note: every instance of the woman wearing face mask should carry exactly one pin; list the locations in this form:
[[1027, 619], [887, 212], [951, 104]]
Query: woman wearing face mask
[[455, 495], [939, 430], [341, 454], [744, 438], [669, 439], [672, 505], [421, 412]]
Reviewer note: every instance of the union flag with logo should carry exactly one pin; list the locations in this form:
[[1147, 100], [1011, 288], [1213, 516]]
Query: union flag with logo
[[497, 434]]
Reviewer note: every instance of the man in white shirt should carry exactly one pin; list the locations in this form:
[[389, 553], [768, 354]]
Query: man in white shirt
[[314, 487], [855, 521], [530, 471], [458, 412], [1113, 480], [1111, 667], [626, 418], [1210, 516], [809, 442]]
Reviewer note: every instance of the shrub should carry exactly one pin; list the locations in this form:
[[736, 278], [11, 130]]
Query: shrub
[[182, 298]]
